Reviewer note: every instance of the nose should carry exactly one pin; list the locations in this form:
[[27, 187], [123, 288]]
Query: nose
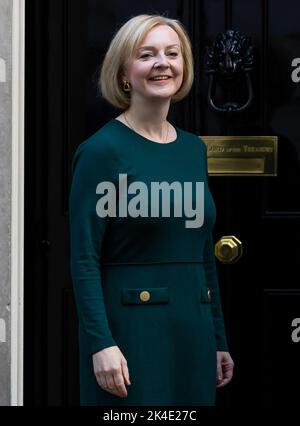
[[161, 61]]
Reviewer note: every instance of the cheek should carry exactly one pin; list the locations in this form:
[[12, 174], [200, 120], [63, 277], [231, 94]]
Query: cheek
[[140, 75], [180, 68], [141, 69], [179, 71]]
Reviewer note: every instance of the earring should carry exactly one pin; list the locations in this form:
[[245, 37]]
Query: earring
[[126, 86]]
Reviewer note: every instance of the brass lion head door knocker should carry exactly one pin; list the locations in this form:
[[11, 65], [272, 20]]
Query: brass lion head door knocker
[[229, 60]]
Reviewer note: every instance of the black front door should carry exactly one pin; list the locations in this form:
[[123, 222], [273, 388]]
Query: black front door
[[65, 44]]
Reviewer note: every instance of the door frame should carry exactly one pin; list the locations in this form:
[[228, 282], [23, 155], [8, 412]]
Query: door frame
[[17, 202]]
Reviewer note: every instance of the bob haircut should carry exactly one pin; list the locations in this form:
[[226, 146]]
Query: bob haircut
[[122, 46]]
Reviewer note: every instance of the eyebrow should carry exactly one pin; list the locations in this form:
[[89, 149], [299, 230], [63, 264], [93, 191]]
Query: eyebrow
[[151, 47]]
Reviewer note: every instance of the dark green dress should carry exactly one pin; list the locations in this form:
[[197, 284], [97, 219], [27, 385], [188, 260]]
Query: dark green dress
[[169, 337]]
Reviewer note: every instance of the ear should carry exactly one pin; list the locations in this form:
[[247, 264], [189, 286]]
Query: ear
[[124, 76], [123, 72]]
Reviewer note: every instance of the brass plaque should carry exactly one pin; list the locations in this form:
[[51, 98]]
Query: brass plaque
[[241, 155]]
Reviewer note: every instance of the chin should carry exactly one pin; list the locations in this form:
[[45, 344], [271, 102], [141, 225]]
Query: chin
[[164, 91], [165, 96]]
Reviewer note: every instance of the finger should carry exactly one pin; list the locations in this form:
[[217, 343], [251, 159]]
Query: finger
[[227, 369], [227, 375], [108, 383], [111, 383], [101, 380], [119, 383], [224, 382], [125, 372], [220, 385], [219, 372]]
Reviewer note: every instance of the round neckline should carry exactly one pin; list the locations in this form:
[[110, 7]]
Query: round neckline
[[143, 138]]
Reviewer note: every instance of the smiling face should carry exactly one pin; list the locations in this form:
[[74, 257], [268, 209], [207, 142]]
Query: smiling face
[[158, 55]]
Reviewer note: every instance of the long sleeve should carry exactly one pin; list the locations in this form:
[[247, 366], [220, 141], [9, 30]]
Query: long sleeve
[[212, 281], [212, 284], [91, 165]]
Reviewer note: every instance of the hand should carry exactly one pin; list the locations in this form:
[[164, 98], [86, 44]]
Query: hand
[[225, 367], [110, 368]]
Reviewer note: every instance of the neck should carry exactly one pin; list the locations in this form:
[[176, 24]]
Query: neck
[[150, 118]]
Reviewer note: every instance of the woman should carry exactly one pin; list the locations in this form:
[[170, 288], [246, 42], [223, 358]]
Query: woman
[[151, 328]]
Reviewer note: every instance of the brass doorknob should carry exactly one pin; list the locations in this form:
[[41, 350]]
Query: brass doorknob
[[229, 249]]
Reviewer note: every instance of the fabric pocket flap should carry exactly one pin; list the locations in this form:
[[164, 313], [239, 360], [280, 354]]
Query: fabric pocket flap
[[145, 295]]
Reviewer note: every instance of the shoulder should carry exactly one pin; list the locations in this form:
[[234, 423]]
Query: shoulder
[[194, 139], [99, 148], [100, 142]]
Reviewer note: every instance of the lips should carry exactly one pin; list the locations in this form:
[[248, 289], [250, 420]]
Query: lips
[[155, 78]]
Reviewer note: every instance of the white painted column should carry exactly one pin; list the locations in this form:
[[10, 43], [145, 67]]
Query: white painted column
[[12, 37]]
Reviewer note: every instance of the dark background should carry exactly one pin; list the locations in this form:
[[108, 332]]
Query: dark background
[[65, 43]]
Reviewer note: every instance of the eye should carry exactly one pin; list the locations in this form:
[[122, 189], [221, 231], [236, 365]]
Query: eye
[[145, 55], [173, 53]]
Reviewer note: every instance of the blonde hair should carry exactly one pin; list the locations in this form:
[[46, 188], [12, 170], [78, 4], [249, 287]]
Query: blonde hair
[[122, 46]]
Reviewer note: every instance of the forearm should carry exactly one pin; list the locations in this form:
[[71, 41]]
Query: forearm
[[212, 284]]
